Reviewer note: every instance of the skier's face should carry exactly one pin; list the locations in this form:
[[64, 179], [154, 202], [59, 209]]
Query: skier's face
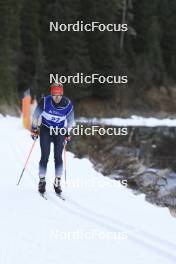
[[57, 98]]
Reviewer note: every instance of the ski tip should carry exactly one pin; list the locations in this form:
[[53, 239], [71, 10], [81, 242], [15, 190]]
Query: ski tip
[[61, 197], [43, 195]]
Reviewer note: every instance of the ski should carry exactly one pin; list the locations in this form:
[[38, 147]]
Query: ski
[[43, 195], [61, 197]]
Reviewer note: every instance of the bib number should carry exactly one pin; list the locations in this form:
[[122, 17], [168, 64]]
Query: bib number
[[55, 119]]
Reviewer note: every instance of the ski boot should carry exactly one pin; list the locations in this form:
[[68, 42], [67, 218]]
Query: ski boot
[[57, 185], [41, 186]]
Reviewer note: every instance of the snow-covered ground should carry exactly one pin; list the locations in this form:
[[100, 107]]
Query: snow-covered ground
[[132, 121], [100, 222]]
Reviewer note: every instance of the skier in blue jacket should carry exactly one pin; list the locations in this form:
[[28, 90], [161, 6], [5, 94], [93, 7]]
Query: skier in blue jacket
[[55, 111]]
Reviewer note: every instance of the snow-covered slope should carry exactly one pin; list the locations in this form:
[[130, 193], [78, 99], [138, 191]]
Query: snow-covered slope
[[100, 222]]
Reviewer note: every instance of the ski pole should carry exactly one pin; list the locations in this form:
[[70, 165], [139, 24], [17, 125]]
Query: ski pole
[[65, 161], [26, 162]]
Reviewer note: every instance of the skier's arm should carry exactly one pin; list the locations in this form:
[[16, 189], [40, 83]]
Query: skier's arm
[[38, 111]]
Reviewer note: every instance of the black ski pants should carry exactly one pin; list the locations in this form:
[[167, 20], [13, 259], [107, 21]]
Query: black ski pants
[[45, 144]]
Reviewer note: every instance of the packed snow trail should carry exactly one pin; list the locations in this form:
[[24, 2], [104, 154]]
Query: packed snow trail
[[80, 229]]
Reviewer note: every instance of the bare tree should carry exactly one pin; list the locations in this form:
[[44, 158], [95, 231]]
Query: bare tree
[[127, 17], [124, 11]]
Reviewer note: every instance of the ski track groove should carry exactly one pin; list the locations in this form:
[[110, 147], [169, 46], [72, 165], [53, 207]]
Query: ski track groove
[[124, 225]]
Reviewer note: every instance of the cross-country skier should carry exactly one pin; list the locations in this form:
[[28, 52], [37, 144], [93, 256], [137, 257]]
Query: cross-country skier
[[55, 111]]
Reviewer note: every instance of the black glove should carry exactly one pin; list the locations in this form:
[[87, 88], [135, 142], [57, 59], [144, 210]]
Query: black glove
[[34, 133], [67, 137]]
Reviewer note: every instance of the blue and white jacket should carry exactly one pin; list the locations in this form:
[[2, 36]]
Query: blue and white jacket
[[54, 115]]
